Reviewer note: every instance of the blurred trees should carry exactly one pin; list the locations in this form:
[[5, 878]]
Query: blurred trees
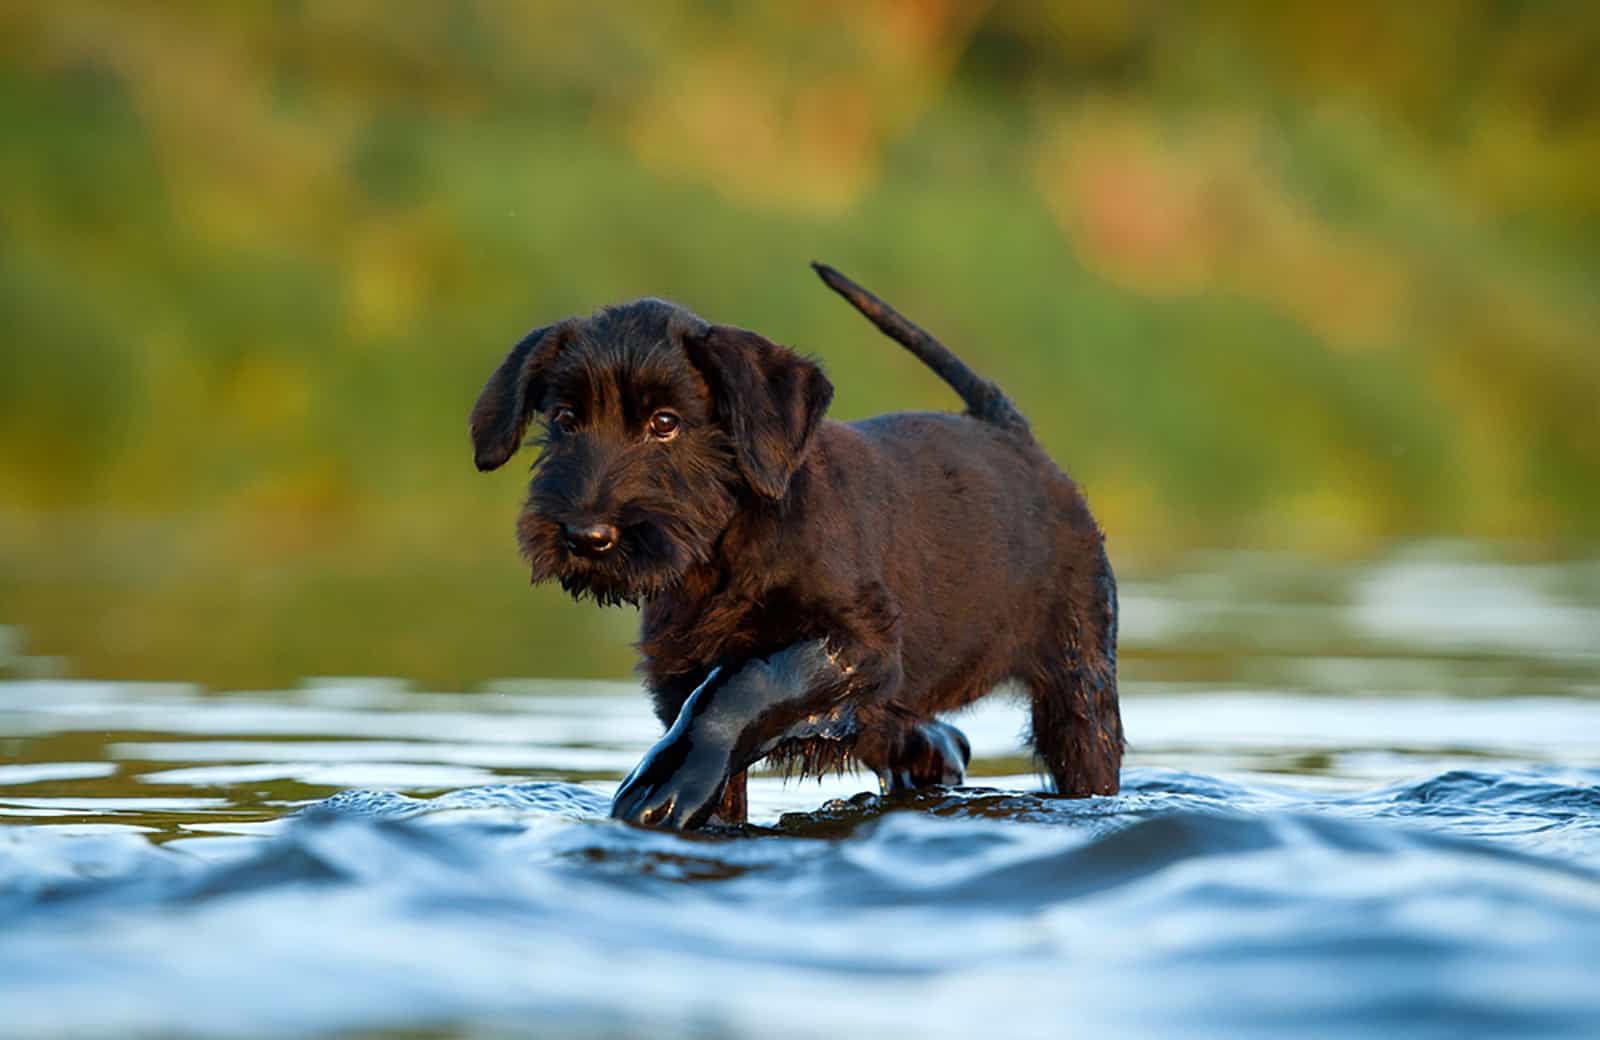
[[1262, 274]]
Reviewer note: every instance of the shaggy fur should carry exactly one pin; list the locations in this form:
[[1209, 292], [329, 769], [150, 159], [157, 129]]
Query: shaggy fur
[[812, 592]]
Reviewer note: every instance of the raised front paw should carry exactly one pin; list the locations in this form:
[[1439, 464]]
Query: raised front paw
[[676, 786]]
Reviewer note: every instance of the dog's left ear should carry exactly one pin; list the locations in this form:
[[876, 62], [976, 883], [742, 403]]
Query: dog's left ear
[[770, 398]]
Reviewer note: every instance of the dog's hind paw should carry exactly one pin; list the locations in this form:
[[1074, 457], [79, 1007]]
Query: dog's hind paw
[[934, 752]]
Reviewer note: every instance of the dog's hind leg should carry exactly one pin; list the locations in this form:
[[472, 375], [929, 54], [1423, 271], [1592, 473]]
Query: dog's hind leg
[[1077, 724], [1077, 731]]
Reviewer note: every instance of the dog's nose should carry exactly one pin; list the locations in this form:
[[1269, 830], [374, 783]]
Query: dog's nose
[[589, 539]]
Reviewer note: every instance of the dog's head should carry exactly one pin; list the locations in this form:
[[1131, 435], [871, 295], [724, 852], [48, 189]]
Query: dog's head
[[657, 427]]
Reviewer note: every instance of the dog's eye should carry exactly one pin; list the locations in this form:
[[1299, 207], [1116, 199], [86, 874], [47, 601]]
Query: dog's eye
[[664, 425], [563, 418]]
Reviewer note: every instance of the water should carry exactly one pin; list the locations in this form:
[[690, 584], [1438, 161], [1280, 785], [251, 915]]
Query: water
[[1374, 811]]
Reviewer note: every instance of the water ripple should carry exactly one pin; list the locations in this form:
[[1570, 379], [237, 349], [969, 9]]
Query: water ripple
[[523, 900], [366, 858]]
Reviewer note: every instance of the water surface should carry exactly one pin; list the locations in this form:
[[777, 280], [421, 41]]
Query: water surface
[[1372, 812]]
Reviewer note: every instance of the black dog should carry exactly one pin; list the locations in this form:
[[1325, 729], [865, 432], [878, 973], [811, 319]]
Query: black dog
[[813, 592]]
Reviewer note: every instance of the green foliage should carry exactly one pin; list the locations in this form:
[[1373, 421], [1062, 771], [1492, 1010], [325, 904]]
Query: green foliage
[[1312, 277]]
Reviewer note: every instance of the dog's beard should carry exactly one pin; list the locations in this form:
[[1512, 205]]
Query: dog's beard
[[663, 529], [654, 551], [605, 590]]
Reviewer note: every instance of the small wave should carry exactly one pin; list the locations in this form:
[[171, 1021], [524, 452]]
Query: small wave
[[1568, 790], [541, 796], [951, 912]]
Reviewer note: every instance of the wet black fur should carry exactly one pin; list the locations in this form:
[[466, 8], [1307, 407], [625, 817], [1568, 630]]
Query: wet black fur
[[940, 555]]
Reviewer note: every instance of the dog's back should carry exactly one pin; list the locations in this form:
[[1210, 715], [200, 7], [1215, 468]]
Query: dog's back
[[978, 536], [991, 551]]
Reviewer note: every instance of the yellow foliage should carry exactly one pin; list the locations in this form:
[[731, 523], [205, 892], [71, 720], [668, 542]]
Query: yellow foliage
[[1198, 208], [740, 114]]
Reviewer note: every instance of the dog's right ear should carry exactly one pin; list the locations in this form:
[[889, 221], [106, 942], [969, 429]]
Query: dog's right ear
[[506, 405]]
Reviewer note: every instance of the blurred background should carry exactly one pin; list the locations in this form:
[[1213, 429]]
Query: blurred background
[[1311, 284]]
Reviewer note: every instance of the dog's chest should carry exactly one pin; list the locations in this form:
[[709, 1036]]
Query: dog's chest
[[684, 635]]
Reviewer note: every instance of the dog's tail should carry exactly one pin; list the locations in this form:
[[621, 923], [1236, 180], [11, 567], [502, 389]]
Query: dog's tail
[[984, 400]]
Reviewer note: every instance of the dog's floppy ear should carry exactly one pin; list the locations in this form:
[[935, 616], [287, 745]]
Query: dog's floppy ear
[[770, 398], [506, 405]]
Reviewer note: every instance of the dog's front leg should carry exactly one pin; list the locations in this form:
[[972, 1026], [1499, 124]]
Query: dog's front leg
[[732, 720]]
